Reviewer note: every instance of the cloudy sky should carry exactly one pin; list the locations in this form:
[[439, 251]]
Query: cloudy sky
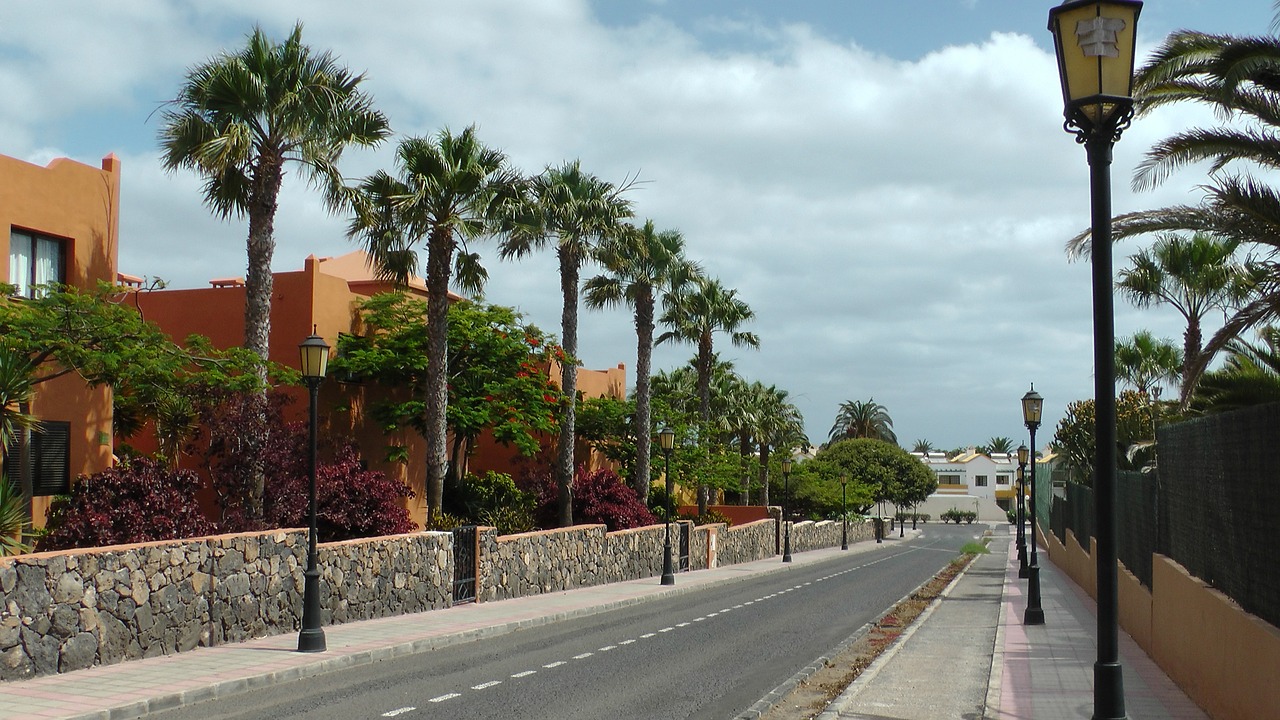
[[886, 183]]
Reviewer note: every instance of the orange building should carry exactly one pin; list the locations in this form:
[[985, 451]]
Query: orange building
[[325, 295], [61, 225]]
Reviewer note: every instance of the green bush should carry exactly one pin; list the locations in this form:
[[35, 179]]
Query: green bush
[[710, 517]]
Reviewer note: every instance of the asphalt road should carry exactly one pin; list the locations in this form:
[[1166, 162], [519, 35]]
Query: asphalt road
[[706, 654]]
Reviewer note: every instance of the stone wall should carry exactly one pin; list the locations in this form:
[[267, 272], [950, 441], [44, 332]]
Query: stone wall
[[68, 610], [810, 535], [745, 543], [513, 566]]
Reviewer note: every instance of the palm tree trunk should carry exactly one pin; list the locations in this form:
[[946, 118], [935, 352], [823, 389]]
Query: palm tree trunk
[[1191, 339], [439, 261], [644, 426], [704, 407], [568, 383], [744, 451], [258, 284], [764, 474]]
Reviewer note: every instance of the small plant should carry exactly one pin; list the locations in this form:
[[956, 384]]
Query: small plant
[[969, 516], [711, 517], [975, 548], [13, 519], [598, 497], [952, 515], [1013, 517]]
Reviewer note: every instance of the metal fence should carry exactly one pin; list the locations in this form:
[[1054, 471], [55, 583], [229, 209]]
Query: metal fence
[[1213, 506]]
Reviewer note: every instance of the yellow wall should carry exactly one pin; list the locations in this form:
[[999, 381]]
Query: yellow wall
[[78, 204], [1222, 657]]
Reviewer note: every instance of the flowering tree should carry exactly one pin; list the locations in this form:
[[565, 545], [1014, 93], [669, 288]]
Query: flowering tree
[[497, 373]]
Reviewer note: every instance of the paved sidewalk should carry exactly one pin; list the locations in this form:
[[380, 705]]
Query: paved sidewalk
[[134, 688], [970, 656]]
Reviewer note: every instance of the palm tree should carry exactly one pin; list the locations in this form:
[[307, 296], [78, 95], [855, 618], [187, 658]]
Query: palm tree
[[922, 446], [780, 425], [694, 315], [575, 212], [450, 189], [1250, 376], [641, 264], [857, 419], [240, 117], [1194, 275], [236, 121], [16, 371], [1144, 362], [998, 445]]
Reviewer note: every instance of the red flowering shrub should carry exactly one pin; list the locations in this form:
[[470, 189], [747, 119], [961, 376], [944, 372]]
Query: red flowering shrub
[[351, 501], [137, 501], [598, 497]]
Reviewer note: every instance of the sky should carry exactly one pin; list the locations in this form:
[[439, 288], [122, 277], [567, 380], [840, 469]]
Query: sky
[[887, 184]]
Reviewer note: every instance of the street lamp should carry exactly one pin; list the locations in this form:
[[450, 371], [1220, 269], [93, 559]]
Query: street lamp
[[844, 514], [1094, 42], [1032, 406], [667, 440], [1020, 511], [786, 505], [315, 360]]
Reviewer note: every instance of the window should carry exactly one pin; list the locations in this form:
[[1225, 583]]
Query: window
[[1004, 479], [948, 479], [35, 260], [50, 459], [980, 480]]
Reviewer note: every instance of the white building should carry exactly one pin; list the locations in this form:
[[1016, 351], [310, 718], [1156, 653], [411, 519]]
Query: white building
[[986, 484]]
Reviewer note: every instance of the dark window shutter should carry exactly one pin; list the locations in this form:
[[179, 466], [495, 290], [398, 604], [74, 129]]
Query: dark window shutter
[[51, 458]]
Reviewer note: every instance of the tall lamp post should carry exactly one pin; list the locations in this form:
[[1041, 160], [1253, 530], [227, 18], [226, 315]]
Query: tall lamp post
[[844, 514], [315, 360], [1094, 42], [1032, 406], [667, 440], [1020, 511], [786, 509]]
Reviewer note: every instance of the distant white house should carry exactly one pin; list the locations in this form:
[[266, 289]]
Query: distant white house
[[986, 484]]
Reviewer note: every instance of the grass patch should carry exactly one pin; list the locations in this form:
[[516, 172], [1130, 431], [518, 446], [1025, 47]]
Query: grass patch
[[975, 548]]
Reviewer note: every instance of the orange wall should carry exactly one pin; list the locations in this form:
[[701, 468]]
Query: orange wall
[[79, 204]]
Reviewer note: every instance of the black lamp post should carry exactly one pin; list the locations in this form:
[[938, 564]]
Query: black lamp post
[[844, 514], [667, 440], [1020, 511], [1094, 42], [786, 505], [315, 360], [1032, 405]]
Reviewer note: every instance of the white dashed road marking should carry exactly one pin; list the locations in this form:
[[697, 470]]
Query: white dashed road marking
[[442, 698]]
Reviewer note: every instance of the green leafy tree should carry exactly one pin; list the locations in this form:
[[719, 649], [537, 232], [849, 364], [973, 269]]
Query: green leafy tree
[[885, 471], [858, 419], [497, 373], [451, 189], [779, 425], [1074, 436], [574, 212], [607, 425], [641, 265], [694, 314]]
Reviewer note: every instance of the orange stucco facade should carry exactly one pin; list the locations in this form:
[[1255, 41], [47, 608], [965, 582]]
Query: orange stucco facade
[[77, 206], [325, 295]]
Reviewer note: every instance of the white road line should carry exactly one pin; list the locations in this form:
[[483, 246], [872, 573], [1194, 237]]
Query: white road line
[[712, 614], [442, 698], [666, 629], [626, 642], [607, 648], [648, 635], [704, 617], [555, 664], [583, 656], [485, 686], [682, 624], [526, 673], [398, 711]]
